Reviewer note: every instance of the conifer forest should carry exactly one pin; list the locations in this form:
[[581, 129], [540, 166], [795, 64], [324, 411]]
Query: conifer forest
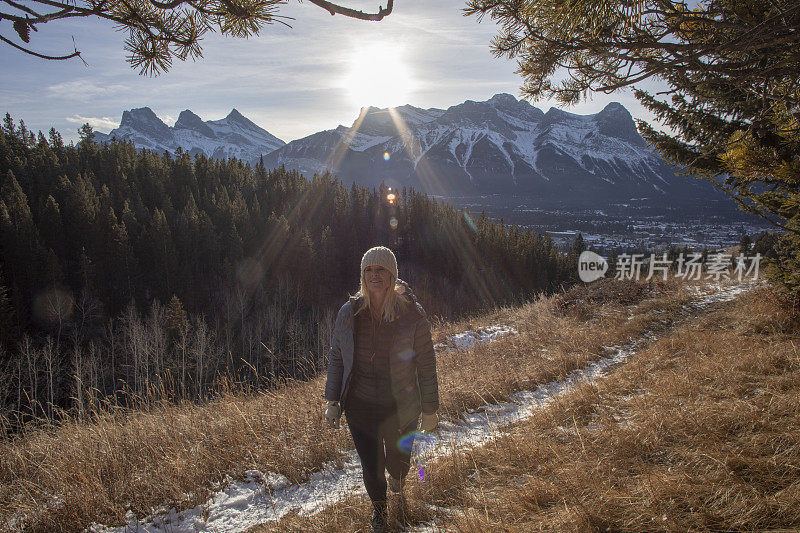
[[127, 276]]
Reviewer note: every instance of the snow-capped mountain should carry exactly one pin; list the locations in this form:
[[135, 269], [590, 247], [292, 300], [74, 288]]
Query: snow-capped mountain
[[233, 136], [502, 145]]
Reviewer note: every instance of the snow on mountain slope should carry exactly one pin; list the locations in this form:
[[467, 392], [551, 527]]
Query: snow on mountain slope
[[414, 115], [358, 141], [502, 145], [233, 136], [498, 146]]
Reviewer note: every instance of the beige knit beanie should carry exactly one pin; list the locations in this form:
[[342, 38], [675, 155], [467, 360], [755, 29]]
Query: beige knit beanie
[[382, 256]]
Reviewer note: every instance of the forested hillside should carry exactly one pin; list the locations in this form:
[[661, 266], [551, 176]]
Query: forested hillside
[[127, 272]]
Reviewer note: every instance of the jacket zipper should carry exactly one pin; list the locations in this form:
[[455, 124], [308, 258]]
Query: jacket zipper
[[349, 374]]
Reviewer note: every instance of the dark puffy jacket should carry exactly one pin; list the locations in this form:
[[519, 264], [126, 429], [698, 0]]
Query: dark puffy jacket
[[412, 362]]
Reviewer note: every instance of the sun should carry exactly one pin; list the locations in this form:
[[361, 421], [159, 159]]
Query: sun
[[378, 76]]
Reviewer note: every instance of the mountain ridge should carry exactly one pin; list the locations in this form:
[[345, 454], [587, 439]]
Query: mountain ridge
[[231, 136], [498, 146]]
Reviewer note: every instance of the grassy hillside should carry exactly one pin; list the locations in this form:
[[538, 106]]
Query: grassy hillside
[[700, 430], [697, 427]]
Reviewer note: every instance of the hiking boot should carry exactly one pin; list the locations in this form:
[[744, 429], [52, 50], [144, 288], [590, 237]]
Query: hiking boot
[[379, 514], [396, 485]]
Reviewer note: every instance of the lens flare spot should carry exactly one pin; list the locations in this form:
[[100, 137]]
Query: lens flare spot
[[249, 273], [406, 442], [393, 223], [470, 222], [53, 306], [386, 156], [421, 472]]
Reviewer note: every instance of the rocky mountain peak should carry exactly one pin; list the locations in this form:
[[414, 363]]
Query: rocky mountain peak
[[237, 120], [555, 115], [616, 121], [186, 119], [236, 115], [233, 136], [375, 121], [520, 109], [614, 108], [140, 115], [500, 145], [143, 119], [503, 100], [189, 121], [480, 114]]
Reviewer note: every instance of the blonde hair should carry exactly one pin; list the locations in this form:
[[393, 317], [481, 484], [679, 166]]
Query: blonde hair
[[393, 305]]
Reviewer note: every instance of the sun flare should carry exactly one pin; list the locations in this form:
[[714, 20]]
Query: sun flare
[[378, 76]]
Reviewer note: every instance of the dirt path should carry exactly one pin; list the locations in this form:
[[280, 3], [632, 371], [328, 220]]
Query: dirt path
[[261, 498]]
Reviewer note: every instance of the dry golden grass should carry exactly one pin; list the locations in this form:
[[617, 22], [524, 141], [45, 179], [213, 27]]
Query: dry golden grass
[[67, 477], [700, 431], [140, 460]]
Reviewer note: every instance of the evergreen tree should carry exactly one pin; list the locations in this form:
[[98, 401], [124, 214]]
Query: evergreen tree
[[86, 134], [177, 320], [765, 244], [51, 226], [157, 255], [7, 318], [578, 245], [8, 126], [56, 141], [732, 70], [19, 239], [745, 243], [52, 272], [245, 255]]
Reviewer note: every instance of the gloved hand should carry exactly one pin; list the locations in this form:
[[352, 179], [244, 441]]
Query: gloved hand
[[429, 422], [332, 414]]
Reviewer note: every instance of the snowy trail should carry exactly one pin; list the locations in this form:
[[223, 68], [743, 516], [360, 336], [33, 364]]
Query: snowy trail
[[263, 497]]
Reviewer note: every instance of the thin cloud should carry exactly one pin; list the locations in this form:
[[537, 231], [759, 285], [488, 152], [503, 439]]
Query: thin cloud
[[82, 89], [97, 123], [289, 81]]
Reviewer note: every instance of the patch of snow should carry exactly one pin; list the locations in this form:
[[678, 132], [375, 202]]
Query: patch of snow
[[413, 116], [470, 338], [360, 141], [259, 498], [18, 522]]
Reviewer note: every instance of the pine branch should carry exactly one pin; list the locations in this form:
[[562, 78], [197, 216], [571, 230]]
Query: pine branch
[[76, 53], [758, 211], [21, 7], [160, 30], [352, 13]]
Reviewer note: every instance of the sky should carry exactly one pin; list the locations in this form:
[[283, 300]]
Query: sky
[[292, 82]]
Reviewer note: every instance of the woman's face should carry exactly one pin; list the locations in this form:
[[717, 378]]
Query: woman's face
[[377, 278]]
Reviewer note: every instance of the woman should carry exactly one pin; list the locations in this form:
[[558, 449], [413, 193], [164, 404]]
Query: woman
[[382, 373]]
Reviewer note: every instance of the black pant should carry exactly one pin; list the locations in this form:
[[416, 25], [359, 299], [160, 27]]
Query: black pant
[[380, 444]]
